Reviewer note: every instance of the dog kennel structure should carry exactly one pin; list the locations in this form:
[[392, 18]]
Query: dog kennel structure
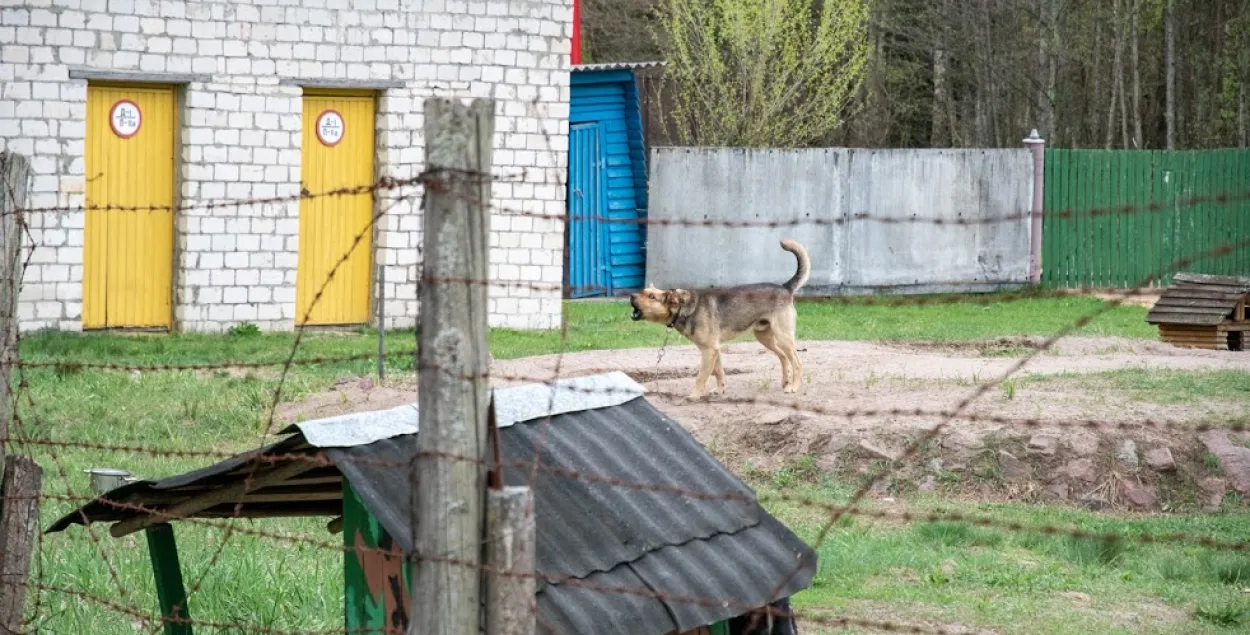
[[594, 530], [1204, 311]]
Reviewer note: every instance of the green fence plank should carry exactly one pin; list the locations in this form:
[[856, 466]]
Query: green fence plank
[[1148, 219], [1115, 218], [1219, 233], [1103, 182], [1098, 197], [1048, 199], [1071, 231], [1242, 192], [1080, 203]]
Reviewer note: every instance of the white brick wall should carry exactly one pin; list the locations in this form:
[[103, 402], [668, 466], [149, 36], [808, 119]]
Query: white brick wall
[[240, 137]]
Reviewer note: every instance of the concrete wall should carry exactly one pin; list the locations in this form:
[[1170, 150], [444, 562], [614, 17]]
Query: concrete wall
[[241, 66], [815, 195]]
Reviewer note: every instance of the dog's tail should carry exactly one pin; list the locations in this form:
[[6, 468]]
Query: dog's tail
[[805, 266]]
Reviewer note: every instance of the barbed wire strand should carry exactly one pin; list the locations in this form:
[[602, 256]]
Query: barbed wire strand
[[913, 446], [835, 511]]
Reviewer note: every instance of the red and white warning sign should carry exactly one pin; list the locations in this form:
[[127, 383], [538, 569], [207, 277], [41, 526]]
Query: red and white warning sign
[[125, 118], [330, 127]]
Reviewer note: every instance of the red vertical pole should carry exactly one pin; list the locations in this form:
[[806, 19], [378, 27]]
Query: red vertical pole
[[576, 54]]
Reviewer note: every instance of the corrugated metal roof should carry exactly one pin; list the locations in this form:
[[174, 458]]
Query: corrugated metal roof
[[1198, 299], [617, 66], [611, 514]]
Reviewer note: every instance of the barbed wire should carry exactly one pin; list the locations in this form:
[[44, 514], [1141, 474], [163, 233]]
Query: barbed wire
[[903, 517], [431, 180], [425, 179], [815, 618]]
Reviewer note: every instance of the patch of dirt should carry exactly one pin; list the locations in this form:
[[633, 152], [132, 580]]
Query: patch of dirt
[[349, 394], [862, 402], [1144, 297]]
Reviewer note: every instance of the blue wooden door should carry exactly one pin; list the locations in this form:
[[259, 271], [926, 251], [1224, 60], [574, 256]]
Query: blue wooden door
[[589, 249]]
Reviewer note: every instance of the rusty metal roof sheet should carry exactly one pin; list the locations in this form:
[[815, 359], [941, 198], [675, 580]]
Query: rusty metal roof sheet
[[626, 499], [1199, 299]]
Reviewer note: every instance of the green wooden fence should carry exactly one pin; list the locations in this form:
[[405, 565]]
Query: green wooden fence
[[1116, 217]]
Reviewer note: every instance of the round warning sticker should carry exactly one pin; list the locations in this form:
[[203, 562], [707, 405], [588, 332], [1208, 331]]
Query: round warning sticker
[[125, 118], [330, 127]]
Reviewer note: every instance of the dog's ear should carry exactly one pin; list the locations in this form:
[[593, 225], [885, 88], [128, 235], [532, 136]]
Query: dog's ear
[[674, 298]]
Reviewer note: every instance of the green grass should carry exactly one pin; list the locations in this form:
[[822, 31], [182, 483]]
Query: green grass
[[606, 325], [1158, 385], [290, 585], [1019, 581]]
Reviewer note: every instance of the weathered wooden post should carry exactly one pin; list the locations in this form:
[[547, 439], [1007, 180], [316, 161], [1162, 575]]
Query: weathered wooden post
[[511, 543], [450, 470], [19, 491]]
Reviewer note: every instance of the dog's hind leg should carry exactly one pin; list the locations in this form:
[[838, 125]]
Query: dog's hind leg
[[786, 341], [769, 340]]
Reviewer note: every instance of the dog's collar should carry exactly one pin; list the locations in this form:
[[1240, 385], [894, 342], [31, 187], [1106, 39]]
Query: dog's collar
[[672, 321]]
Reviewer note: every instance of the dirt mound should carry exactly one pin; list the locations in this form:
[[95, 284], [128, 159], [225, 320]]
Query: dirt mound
[[1048, 433]]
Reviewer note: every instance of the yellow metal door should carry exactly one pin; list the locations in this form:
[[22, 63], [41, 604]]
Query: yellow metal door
[[128, 247], [335, 231]]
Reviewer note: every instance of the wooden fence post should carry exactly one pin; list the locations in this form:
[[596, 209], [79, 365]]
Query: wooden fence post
[[452, 354], [19, 491], [19, 520], [14, 175], [511, 543]]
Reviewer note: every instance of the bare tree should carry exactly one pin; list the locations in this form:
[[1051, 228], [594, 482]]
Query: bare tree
[[1169, 64], [1135, 69]]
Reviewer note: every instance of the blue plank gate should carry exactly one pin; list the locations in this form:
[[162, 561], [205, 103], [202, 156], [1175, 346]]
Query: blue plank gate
[[588, 245], [606, 240]]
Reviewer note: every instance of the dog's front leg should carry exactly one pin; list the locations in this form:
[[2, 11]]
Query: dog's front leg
[[707, 364], [719, 371]]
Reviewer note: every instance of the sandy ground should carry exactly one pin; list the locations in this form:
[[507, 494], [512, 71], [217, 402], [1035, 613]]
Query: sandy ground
[[854, 377]]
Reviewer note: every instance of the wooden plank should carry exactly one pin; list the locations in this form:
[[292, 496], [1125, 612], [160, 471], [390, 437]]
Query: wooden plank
[[1049, 192], [1068, 233], [1103, 175], [170, 591], [229, 493], [1187, 328], [1206, 294], [1081, 246], [1223, 312], [1195, 302], [1207, 339], [377, 578], [1193, 335], [1209, 279], [511, 548], [1137, 248], [1218, 288], [1180, 318]]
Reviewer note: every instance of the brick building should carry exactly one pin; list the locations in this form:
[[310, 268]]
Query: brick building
[[186, 107]]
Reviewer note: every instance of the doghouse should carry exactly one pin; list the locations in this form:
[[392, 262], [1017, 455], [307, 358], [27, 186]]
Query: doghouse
[[625, 498], [1203, 311]]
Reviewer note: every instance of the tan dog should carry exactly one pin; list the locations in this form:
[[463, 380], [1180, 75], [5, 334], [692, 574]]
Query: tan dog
[[710, 317]]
